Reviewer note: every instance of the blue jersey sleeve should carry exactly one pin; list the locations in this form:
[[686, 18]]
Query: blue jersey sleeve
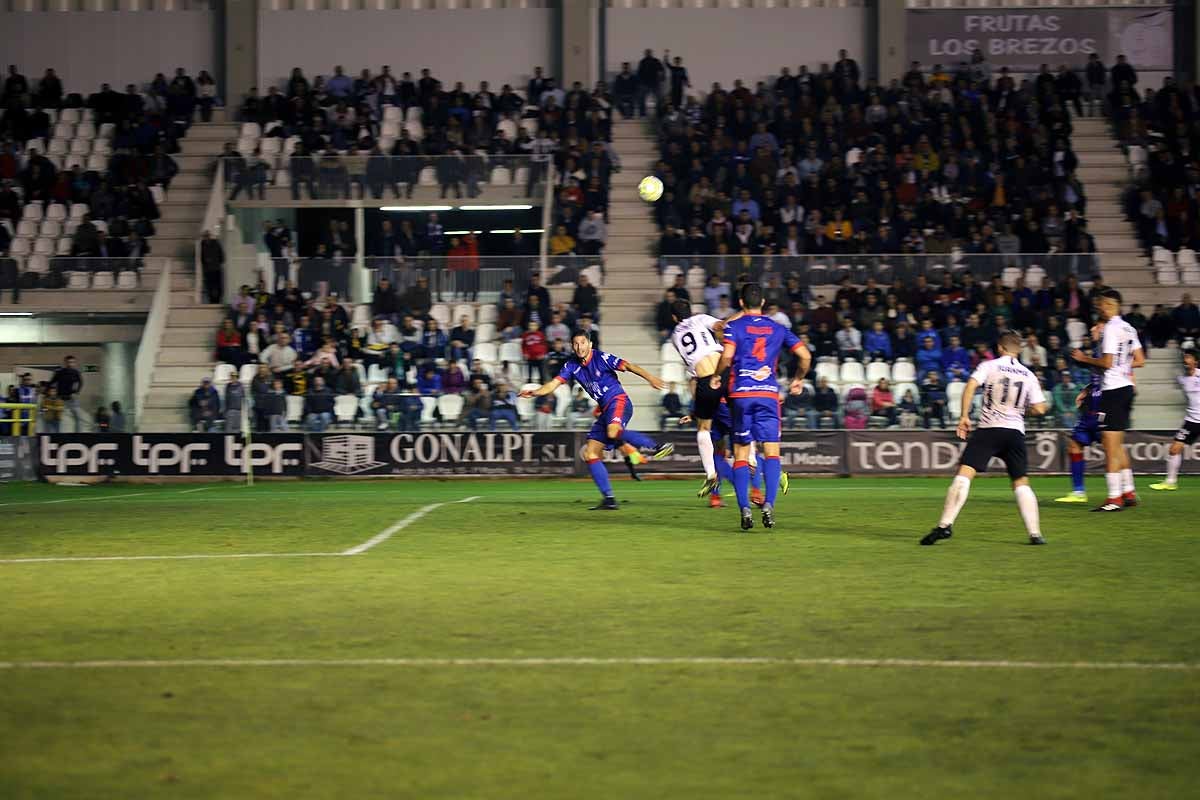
[[609, 360], [790, 340], [567, 373]]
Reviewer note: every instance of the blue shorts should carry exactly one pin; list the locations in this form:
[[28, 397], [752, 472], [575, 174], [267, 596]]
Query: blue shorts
[[755, 419], [722, 424], [619, 409], [1086, 430]]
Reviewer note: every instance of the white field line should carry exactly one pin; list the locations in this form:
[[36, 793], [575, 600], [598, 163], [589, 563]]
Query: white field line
[[866, 663], [375, 540], [390, 531]]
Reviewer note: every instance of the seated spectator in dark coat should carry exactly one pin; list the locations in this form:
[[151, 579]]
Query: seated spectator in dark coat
[[825, 404], [384, 302], [204, 406], [1186, 318], [418, 299], [672, 406]]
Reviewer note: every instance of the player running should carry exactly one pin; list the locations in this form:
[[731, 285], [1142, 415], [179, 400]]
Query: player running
[[1087, 428], [1120, 354], [1190, 430], [752, 346], [1009, 391], [596, 372]]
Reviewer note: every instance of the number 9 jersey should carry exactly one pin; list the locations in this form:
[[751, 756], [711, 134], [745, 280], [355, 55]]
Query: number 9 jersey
[[694, 340]]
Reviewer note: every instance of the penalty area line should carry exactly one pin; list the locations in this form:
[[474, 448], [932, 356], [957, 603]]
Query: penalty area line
[[865, 663], [359, 549]]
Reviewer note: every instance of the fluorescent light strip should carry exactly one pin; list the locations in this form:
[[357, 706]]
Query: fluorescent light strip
[[16, 313], [496, 208], [416, 208], [458, 233], [512, 230]]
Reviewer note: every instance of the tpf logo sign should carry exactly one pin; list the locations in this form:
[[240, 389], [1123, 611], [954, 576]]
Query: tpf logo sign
[[157, 456], [78, 457], [277, 458]]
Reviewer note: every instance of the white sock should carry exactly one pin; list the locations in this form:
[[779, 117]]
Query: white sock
[[1127, 480], [1028, 506], [1113, 481], [956, 498], [1173, 464], [704, 444]]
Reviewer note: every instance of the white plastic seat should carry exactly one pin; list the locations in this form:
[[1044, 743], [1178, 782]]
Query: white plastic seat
[[900, 388], [97, 163], [696, 278], [390, 128], [35, 144], [413, 114], [51, 228], [828, 371], [57, 147], [37, 264], [107, 130], [427, 177], [462, 310], [669, 273], [487, 313], [416, 131], [250, 130], [361, 316], [269, 147], [246, 146], [1191, 276], [441, 313], [78, 280], [102, 280], [1186, 257], [33, 211], [486, 352], [450, 406], [674, 373], [127, 279], [595, 275], [1167, 276], [877, 370], [428, 407], [511, 352], [1162, 257], [376, 374], [64, 246], [27, 228], [70, 162], [345, 408], [525, 405], [102, 147], [81, 147], [485, 332], [56, 212], [20, 246], [224, 373], [295, 408], [85, 130], [668, 354], [1034, 276], [247, 373], [1010, 276], [851, 372], [500, 176], [904, 372], [393, 114], [520, 176], [954, 393], [64, 130], [70, 115], [1076, 330], [44, 246]]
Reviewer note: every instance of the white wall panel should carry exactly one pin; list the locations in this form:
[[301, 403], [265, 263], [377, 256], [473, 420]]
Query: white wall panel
[[88, 48], [721, 44], [498, 45]]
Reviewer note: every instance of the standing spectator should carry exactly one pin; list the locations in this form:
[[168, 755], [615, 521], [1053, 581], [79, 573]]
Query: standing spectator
[[649, 79], [1097, 78], [679, 81], [593, 234], [318, 406], [212, 266], [117, 422], [235, 406], [50, 411], [67, 380], [533, 350], [625, 90], [205, 406], [585, 299], [1123, 75]]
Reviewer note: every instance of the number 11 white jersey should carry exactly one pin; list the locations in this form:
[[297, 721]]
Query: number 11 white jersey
[[1006, 387], [694, 340]]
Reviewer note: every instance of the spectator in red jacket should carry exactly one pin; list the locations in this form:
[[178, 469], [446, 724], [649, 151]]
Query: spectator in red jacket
[[534, 349]]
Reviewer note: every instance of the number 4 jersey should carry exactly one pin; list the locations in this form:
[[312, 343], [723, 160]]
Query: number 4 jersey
[[1006, 388], [755, 342], [694, 340]]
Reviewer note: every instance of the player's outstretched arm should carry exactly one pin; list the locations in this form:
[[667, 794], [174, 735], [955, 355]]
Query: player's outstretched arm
[[1103, 362], [546, 388], [648, 377], [1038, 409], [964, 410]]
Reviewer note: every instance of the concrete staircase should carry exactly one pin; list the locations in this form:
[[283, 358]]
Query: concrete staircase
[[632, 285], [186, 352], [1160, 402]]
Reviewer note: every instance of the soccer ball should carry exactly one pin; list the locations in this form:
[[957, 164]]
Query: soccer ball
[[650, 189]]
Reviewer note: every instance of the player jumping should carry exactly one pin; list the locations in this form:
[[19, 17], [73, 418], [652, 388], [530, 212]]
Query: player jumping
[[1009, 389], [752, 346], [697, 339], [596, 372], [1190, 430], [1087, 428], [1120, 354]]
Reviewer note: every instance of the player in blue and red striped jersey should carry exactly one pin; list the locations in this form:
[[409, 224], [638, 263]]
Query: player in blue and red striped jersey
[[596, 372], [753, 343]]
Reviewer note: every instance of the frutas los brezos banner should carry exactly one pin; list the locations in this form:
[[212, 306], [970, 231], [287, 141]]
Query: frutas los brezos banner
[[1023, 39]]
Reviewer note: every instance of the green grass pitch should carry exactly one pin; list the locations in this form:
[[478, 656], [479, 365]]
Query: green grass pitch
[[525, 572]]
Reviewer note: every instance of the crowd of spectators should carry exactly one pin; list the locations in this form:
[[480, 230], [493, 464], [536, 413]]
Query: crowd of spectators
[[121, 145], [377, 131], [1160, 131], [55, 400], [392, 356], [827, 163]]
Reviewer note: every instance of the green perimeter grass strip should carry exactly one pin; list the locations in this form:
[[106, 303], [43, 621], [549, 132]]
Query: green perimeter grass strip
[[911, 663]]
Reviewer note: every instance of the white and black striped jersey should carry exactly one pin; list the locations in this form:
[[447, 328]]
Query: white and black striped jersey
[[1006, 388], [1119, 340], [1191, 387], [695, 341]]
